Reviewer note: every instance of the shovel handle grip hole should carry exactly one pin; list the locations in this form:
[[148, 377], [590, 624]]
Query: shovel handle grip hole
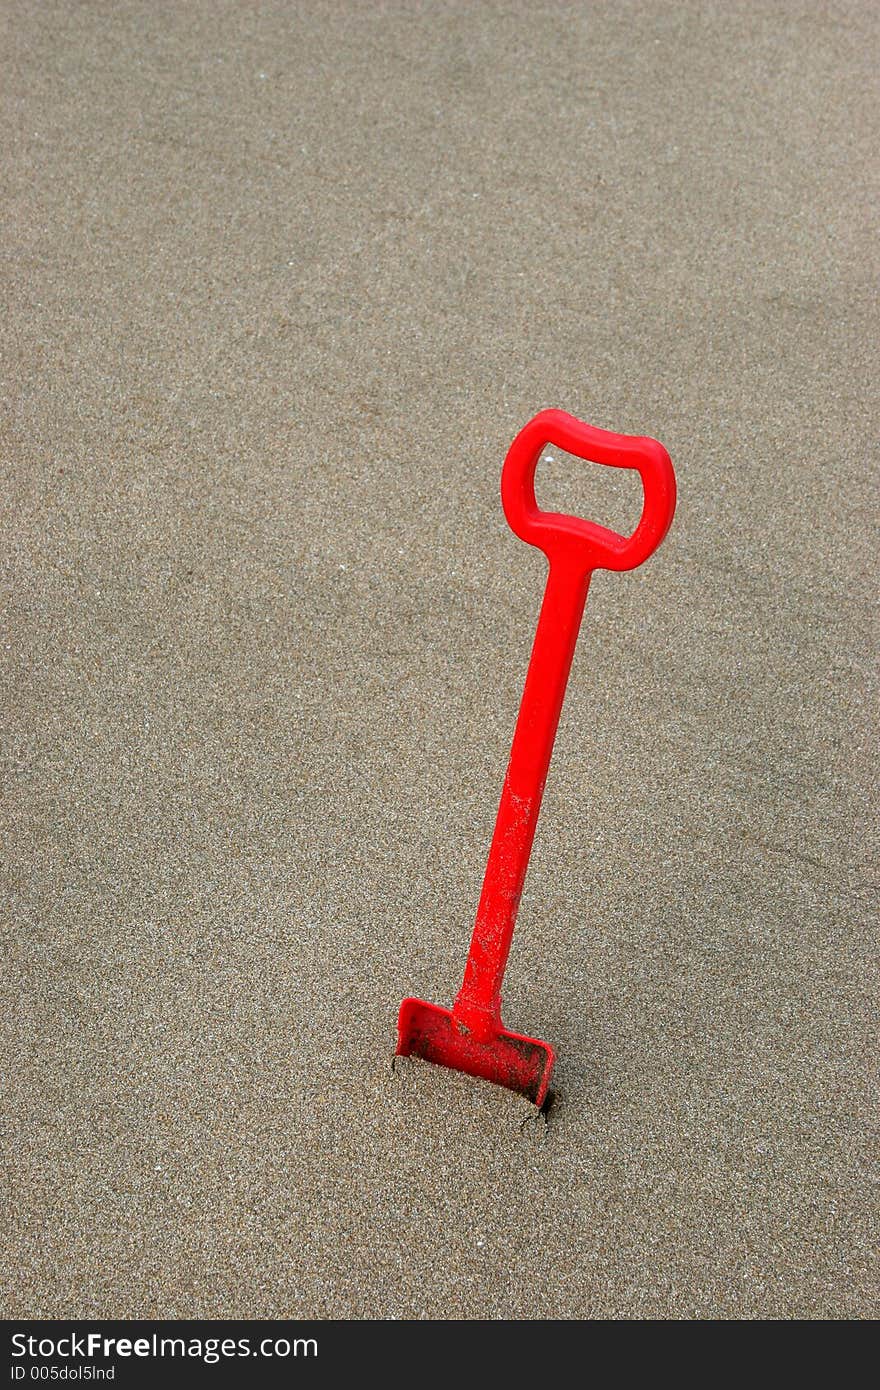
[[611, 497]]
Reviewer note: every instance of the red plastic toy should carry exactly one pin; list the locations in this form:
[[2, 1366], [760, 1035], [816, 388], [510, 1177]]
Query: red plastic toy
[[471, 1037]]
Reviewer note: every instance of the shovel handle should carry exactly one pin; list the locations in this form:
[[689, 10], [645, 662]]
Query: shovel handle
[[585, 544], [574, 548]]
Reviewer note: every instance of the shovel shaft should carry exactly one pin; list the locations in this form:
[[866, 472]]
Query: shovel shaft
[[478, 1005]]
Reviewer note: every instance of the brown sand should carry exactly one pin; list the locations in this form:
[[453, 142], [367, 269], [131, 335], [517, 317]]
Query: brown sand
[[281, 283]]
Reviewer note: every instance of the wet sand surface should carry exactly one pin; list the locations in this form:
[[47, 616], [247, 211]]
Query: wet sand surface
[[280, 285]]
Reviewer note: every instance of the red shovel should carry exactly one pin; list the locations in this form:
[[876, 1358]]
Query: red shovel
[[471, 1037]]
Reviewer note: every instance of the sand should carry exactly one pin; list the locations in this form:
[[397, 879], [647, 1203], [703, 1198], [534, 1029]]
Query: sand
[[280, 285]]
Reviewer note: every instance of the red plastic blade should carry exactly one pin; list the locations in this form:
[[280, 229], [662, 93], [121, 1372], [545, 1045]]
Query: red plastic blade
[[508, 1059]]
